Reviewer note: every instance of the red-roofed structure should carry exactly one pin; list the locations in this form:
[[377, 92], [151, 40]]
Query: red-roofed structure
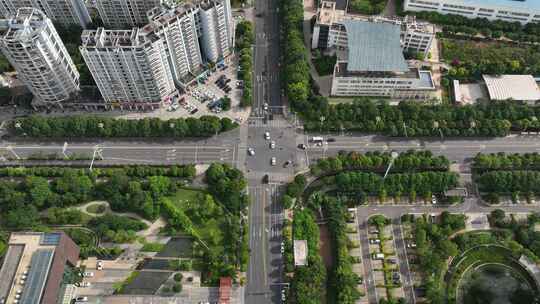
[[225, 285]]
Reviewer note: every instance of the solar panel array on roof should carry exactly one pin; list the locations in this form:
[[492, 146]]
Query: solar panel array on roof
[[374, 47], [37, 276], [50, 238]]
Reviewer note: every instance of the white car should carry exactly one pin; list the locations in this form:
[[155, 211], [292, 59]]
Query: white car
[[251, 151], [84, 284], [265, 106], [267, 135], [99, 265], [433, 199], [81, 299], [272, 144], [273, 161], [88, 274]]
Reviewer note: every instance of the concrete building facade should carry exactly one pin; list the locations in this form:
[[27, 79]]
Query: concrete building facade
[[329, 30], [33, 47], [372, 64], [216, 29], [65, 12], [145, 66], [131, 69], [124, 14], [523, 11], [178, 30]]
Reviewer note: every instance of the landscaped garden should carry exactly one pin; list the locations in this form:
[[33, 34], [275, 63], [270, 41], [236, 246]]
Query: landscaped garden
[[335, 184], [451, 262], [128, 198]]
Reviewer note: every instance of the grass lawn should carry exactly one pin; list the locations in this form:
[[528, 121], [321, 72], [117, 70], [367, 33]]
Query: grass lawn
[[208, 217], [185, 195], [96, 208], [152, 247]]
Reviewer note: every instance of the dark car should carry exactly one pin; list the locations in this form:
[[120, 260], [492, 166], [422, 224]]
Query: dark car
[[194, 111], [330, 139], [302, 146], [227, 80], [265, 179]]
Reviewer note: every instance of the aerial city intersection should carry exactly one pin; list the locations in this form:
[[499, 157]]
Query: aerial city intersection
[[250, 151]]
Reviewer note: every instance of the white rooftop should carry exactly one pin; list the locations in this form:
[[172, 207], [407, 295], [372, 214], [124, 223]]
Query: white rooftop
[[300, 252], [516, 87]]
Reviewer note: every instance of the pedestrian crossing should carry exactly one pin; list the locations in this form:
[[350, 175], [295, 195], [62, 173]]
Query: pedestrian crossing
[[275, 123]]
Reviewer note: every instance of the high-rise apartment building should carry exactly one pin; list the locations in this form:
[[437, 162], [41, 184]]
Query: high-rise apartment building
[[216, 28], [146, 65], [65, 12], [130, 67], [123, 14], [31, 44], [177, 29]]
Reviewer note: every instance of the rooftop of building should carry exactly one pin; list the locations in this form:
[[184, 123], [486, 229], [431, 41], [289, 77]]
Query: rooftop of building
[[23, 25], [32, 262], [102, 38], [518, 4], [328, 15], [516, 87], [158, 18], [374, 47]]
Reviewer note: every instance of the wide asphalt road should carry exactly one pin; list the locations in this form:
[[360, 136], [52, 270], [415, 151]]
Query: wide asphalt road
[[454, 149]]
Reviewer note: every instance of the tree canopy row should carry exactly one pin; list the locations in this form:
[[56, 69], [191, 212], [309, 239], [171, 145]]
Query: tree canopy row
[[503, 161], [178, 171], [398, 184], [308, 285], [342, 279], [95, 126], [410, 161], [245, 38]]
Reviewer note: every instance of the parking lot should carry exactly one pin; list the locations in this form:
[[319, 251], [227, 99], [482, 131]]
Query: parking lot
[[101, 282], [385, 262], [356, 253], [216, 92]]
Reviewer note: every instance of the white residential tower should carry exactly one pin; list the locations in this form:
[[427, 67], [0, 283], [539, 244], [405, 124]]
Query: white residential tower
[[65, 12], [33, 47], [124, 14]]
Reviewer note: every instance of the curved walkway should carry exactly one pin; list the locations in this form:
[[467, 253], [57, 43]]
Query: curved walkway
[[83, 207]]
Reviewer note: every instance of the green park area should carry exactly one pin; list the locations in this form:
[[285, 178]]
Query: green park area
[[124, 201]]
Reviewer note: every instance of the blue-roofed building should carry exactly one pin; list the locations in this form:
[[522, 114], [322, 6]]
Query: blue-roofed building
[[523, 11], [373, 64]]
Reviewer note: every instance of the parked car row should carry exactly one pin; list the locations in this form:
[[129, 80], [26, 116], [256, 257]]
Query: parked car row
[[223, 83]]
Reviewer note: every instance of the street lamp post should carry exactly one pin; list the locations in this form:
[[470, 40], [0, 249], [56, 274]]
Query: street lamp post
[[405, 129], [97, 151], [393, 155]]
